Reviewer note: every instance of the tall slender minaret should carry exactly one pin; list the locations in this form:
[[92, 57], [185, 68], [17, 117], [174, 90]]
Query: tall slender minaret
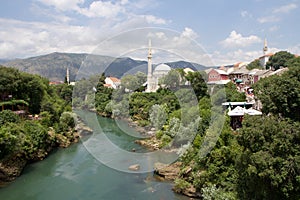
[[265, 58], [68, 76], [149, 76], [265, 49]]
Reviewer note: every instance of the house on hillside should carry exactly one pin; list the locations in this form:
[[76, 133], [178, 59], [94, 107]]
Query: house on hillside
[[240, 76], [218, 76], [112, 82], [256, 74], [264, 59]]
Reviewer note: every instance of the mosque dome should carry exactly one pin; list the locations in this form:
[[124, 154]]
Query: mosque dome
[[163, 67]]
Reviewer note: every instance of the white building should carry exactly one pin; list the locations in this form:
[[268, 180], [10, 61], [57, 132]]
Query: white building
[[112, 82]]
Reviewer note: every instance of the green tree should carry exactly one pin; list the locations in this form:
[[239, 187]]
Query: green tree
[[269, 165], [232, 94], [7, 116], [294, 63], [279, 59], [130, 82], [197, 81], [103, 97], [9, 139], [157, 116], [254, 65], [171, 80], [280, 94]]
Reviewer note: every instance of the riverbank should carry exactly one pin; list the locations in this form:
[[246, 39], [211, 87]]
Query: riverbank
[[12, 166], [164, 172]]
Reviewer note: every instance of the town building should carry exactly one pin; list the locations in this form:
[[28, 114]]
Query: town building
[[112, 82], [218, 76]]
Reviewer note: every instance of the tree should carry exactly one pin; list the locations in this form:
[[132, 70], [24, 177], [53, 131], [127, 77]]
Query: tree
[[9, 139], [7, 116], [103, 96], [197, 81], [171, 80], [157, 116], [130, 82], [254, 65], [269, 164], [232, 94], [294, 63], [279, 59], [280, 94]]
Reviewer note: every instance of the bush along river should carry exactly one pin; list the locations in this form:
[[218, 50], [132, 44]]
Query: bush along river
[[74, 173]]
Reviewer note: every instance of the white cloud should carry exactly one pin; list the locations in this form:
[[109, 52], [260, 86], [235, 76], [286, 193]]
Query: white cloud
[[237, 40], [275, 14], [286, 8], [233, 57], [63, 4], [245, 13], [34, 38], [155, 20], [294, 49], [188, 32], [102, 9], [266, 19]]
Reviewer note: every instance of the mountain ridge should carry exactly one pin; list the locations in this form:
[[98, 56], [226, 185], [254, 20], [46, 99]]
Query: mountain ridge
[[54, 65]]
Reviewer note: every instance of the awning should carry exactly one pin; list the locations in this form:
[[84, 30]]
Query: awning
[[237, 111], [252, 111]]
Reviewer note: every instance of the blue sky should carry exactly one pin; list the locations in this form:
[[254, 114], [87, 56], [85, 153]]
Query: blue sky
[[225, 32]]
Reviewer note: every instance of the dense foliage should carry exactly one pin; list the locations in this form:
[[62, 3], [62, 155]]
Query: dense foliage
[[254, 65], [279, 59], [45, 125], [281, 94], [269, 165]]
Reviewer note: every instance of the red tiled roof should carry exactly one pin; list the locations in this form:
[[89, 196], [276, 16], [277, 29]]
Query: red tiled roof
[[107, 85], [114, 79]]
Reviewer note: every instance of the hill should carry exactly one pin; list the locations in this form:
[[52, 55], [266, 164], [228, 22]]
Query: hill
[[54, 65]]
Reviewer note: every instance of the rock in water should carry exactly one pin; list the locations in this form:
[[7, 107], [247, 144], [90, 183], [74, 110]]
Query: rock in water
[[135, 167], [168, 172]]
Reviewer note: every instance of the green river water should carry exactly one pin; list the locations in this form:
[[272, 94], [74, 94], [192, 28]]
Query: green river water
[[73, 173]]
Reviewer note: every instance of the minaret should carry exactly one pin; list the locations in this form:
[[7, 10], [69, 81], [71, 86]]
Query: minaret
[[265, 49], [149, 76], [68, 76], [265, 57]]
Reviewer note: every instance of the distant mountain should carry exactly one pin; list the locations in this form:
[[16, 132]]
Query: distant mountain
[[54, 65], [185, 64], [178, 64], [122, 65], [3, 61]]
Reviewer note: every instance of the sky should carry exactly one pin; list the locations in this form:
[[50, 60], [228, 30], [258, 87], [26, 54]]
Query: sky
[[209, 32]]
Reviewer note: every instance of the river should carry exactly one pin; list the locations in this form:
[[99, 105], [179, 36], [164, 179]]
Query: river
[[73, 173]]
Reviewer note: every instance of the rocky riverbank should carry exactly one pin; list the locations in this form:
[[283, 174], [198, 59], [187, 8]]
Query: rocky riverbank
[[169, 172], [12, 166]]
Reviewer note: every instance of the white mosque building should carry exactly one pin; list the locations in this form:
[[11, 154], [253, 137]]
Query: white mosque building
[[154, 76]]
